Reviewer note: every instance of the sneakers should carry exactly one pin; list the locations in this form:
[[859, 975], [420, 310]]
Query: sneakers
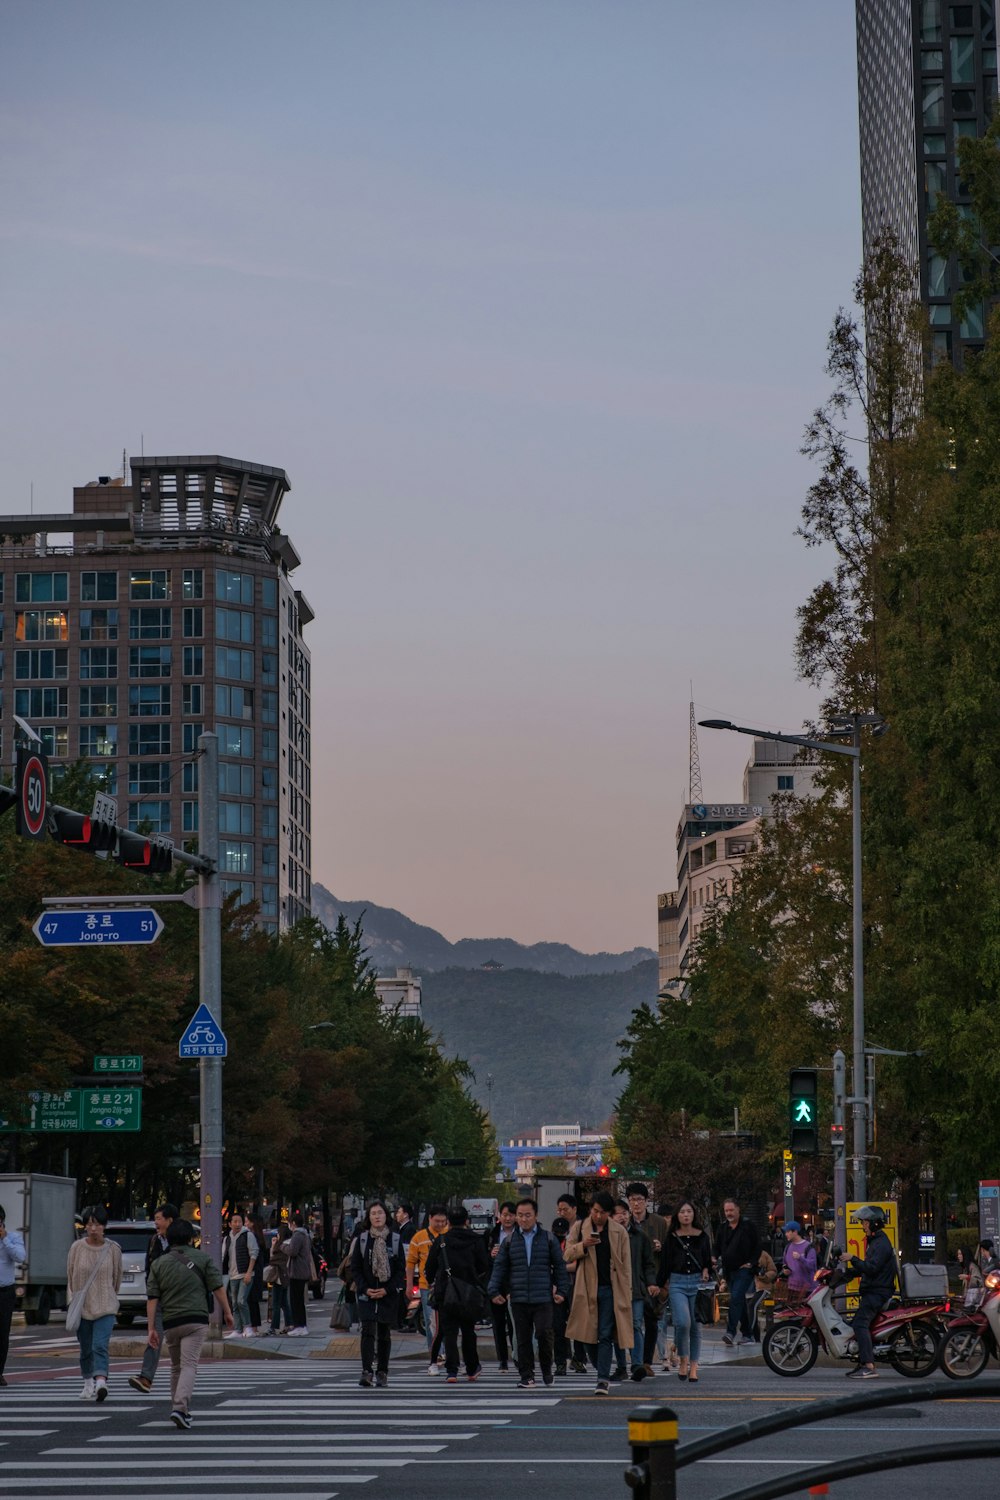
[[503, 1369], [100, 1388], [617, 1376], [367, 1380], [180, 1419], [233, 1333], [548, 1379], [526, 1385], [433, 1370], [578, 1367], [603, 1388], [862, 1372], [729, 1339], [640, 1372], [560, 1369], [249, 1333], [649, 1369], [140, 1382], [87, 1394], [293, 1333], [381, 1379], [474, 1377], [452, 1380]]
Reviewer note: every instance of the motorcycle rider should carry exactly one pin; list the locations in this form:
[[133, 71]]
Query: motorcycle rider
[[878, 1282]]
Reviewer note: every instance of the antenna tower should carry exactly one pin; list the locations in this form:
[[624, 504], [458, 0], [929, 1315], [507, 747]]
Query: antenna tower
[[695, 793]]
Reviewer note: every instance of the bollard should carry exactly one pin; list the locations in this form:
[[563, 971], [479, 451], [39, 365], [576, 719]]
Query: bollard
[[652, 1434]]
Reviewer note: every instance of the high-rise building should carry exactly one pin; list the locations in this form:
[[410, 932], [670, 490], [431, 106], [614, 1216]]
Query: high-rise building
[[148, 614], [927, 75]]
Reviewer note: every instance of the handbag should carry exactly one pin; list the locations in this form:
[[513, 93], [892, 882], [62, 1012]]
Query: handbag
[[706, 1304], [270, 1275], [463, 1298], [341, 1315], [74, 1313]]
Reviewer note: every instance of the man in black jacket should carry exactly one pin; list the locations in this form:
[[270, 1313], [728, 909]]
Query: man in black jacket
[[503, 1325], [163, 1218], [530, 1268], [461, 1257], [737, 1248], [878, 1282]]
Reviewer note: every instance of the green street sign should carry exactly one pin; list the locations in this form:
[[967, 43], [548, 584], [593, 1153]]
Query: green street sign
[[121, 1062], [111, 1109], [58, 1111], [74, 1110]]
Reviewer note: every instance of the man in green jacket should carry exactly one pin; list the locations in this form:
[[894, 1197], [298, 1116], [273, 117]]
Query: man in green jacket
[[182, 1283]]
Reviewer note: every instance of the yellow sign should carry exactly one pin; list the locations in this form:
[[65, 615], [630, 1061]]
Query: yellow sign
[[855, 1228], [787, 1158]]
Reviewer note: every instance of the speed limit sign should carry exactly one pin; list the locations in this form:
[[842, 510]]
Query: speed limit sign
[[32, 793]]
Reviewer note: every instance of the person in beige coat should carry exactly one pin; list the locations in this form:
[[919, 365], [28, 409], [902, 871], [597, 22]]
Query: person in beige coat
[[601, 1315], [94, 1268]]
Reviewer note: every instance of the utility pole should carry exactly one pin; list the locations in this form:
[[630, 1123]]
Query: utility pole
[[210, 972], [860, 1134], [839, 1150]]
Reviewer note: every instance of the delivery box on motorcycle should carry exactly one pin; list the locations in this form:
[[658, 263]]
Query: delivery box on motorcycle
[[925, 1283]]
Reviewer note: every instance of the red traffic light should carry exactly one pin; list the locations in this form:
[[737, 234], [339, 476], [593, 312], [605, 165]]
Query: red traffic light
[[604, 1171]]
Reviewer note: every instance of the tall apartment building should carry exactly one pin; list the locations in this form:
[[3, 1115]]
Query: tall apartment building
[[927, 75], [150, 613]]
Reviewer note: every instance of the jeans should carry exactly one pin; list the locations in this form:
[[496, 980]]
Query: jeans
[[687, 1330], [279, 1307], [662, 1337], [869, 1306], [184, 1343], [239, 1292], [151, 1356], [93, 1334], [740, 1282], [600, 1353], [430, 1317], [537, 1318], [452, 1327]]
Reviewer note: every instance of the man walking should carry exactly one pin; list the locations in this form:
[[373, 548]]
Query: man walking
[[178, 1294], [239, 1254], [503, 1328], [530, 1269], [602, 1293], [878, 1282], [459, 1258], [12, 1254], [737, 1248], [654, 1227], [416, 1263], [568, 1353], [644, 1272], [163, 1218]]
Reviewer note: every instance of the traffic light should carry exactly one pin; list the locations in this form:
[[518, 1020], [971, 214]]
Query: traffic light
[[802, 1111], [837, 1137], [604, 1171], [81, 830], [149, 856]]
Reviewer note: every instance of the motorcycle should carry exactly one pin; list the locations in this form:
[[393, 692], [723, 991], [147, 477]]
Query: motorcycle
[[974, 1333], [318, 1287], [907, 1335]]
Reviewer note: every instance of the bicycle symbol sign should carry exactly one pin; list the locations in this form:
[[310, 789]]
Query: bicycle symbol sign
[[203, 1036]]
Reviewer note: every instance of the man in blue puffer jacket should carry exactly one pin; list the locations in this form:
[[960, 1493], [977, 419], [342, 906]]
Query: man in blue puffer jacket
[[530, 1270]]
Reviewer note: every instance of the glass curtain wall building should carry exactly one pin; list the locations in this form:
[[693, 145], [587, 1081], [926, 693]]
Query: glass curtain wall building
[[927, 75]]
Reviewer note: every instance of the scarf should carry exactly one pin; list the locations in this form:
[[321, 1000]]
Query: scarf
[[380, 1253]]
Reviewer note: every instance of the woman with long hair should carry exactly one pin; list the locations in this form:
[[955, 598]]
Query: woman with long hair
[[379, 1269], [278, 1260], [94, 1274], [685, 1266]]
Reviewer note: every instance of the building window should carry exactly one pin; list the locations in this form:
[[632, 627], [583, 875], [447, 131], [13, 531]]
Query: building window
[[269, 668], [235, 780], [934, 145], [269, 593], [269, 630], [98, 586], [711, 852], [49, 663], [932, 61], [236, 817], [41, 703], [98, 661], [55, 740], [41, 625], [149, 739], [933, 104], [151, 817], [98, 624], [241, 889], [971, 326], [937, 276], [234, 625], [269, 901], [150, 583], [41, 588], [935, 181], [233, 702], [269, 708], [963, 102], [963, 59], [230, 662], [930, 20], [269, 822], [193, 583], [269, 744], [189, 777], [149, 702], [148, 778], [189, 817], [269, 784], [235, 858], [233, 588], [99, 739], [940, 314], [192, 698], [961, 17], [98, 703], [148, 661], [194, 622], [786, 783], [269, 858], [194, 661], [236, 739], [190, 735], [149, 624]]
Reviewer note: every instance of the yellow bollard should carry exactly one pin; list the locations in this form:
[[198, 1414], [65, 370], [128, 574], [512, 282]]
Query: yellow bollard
[[652, 1434]]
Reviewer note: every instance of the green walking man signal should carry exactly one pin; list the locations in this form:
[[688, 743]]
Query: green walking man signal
[[802, 1111]]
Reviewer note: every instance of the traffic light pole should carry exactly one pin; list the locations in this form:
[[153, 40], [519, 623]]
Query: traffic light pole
[[210, 974], [839, 1151], [858, 1083]]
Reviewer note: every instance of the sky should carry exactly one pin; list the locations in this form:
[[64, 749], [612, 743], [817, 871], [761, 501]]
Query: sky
[[530, 300]]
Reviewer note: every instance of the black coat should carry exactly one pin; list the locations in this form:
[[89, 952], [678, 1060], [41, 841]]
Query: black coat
[[467, 1256], [382, 1309], [737, 1247]]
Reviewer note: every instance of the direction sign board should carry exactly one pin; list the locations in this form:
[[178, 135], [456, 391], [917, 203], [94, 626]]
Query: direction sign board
[[74, 1110], [56, 1111], [110, 1109], [128, 1062], [32, 793], [81, 928], [203, 1036]]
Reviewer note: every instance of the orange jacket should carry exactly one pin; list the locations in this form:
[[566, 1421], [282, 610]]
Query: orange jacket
[[416, 1257]]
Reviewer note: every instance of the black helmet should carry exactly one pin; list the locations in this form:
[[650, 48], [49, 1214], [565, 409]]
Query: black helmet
[[871, 1214]]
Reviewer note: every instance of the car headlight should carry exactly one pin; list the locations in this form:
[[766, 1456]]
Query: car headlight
[[993, 1280]]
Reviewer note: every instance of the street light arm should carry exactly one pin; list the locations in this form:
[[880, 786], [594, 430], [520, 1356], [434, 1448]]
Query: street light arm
[[786, 739]]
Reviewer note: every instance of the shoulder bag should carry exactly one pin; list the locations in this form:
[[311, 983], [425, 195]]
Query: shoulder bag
[[74, 1313], [463, 1298]]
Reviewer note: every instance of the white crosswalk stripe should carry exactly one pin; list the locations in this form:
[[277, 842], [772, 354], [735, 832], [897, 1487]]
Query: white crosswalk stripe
[[295, 1424]]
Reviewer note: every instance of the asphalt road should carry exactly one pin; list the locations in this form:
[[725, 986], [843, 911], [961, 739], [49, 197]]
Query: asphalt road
[[302, 1426]]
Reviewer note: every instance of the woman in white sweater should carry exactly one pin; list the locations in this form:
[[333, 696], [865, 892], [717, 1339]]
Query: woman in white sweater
[[95, 1263]]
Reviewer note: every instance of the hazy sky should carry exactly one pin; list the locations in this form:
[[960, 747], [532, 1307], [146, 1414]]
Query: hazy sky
[[530, 299]]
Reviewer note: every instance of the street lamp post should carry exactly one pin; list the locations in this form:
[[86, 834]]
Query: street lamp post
[[852, 725]]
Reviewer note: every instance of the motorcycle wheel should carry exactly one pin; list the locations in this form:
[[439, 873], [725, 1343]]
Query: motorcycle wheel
[[964, 1354], [790, 1349], [915, 1349]]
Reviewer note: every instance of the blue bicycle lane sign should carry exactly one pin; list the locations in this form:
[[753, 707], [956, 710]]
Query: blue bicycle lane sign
[[203, 1036]]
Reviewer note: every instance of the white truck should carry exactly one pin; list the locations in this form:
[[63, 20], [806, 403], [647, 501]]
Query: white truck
[[42, 1209], [483, 1213]]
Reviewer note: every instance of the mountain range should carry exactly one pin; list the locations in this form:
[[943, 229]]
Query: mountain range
[[394, 941]]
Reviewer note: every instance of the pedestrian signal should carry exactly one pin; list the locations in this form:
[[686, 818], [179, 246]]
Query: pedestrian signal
[[803, 1111]]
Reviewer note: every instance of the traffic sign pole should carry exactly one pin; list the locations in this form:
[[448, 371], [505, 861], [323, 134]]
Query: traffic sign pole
[[210, 966]]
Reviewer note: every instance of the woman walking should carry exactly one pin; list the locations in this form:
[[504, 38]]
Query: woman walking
[[278, 1263], [686, 1265], [94, 1272], [378, 1269]]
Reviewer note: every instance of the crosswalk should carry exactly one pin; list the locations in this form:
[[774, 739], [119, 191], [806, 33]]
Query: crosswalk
[[291, 1425]]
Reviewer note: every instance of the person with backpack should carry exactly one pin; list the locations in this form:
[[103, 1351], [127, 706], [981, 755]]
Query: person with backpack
[[530, 1270], [457, 1268], [379, 1270], [179, 1292]]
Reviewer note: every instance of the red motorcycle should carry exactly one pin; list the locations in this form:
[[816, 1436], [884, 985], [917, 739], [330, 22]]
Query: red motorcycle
[[974, 1333], [907, 1335]]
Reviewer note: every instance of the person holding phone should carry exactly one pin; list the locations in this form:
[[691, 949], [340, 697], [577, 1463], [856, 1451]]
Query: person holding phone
[[601, 1316]]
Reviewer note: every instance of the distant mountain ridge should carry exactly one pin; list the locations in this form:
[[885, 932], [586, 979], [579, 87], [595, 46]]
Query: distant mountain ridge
[[395, 941]]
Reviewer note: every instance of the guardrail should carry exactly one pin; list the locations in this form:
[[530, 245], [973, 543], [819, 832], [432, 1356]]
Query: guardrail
[[656, 1457]]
